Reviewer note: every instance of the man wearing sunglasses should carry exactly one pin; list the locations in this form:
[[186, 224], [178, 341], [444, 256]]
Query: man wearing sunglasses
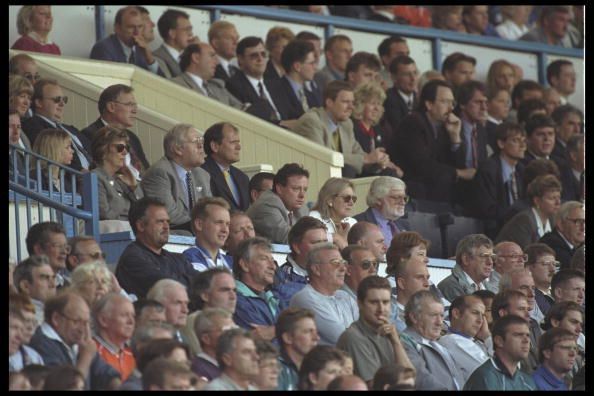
[[360, 264], [48, 105]]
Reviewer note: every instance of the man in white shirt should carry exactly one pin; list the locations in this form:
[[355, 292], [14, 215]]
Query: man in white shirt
[[175, 29]]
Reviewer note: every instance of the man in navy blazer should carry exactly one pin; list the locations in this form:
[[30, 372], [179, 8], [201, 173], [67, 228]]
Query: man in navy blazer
[[127, 44], [401, 97], [222, 146]]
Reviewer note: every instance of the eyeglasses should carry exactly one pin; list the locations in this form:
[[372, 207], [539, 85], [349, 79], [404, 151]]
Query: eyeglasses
[[399, 198], [121, 147], [553, 264], [347, 198], [485, 256], [336, 262], [77, 322], [577, 222], [58, 99], [256, 55], [127, 104], [94, 256], [59, 246], [519, 257], [199, 140], [366, 264]]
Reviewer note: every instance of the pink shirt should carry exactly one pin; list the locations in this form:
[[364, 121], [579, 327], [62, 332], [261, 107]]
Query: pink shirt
[[26, 43]]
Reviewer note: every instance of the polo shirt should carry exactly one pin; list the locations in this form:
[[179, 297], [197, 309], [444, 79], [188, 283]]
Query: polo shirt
[[120, 359], [492, 375], [201, 260], [288, 280], [546, 381]]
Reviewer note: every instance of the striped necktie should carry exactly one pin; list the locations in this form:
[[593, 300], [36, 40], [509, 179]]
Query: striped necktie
[[303, 100], [190, 187]]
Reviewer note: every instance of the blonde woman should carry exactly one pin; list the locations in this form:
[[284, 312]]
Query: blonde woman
[[34, 23], [91, 281], [20, 91], [55, 145], [501, 75], [334, 208], [277, 39]]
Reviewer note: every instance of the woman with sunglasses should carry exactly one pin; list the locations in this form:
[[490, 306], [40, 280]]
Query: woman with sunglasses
[[334, 207], [117, 186], [55, 145]]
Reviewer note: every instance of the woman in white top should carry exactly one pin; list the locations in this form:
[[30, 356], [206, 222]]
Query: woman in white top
[[515, 23], [334, 207]]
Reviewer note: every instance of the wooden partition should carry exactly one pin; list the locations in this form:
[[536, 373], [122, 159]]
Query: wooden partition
[[162, 104]]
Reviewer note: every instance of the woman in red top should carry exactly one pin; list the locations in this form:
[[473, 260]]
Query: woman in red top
[[34, 23]]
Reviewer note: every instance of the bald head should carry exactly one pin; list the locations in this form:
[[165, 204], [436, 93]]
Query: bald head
[[509, 257], [347, 383], [370, 236]]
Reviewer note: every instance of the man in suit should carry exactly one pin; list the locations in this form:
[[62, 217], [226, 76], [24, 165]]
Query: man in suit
[[572, 175], [428, 143], [16, 137], [362, 68], [316, 41], [498, 181], [276, 210], [435, 366], [223, 37], [289, 93], [175, 29], [48, 104], [569, 120], [390, 48], [222, 146], [337, 50], [249, 84], [523, 90], [177, 179], [458, 68], [331, 127], [386, 200], [198, 63], [540, 140], [117, 108], [562, 77], [127, 44], [569, 232], [402, 96]]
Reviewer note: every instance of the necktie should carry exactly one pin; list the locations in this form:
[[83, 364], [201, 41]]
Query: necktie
[[261, 90], [336, 140], [232, 186], [290, 214], [205, 88], [273, 114], [514, 186], [232, 70], [409, 104], [190, 186], [393, 228], [132, 57], [474, 147], [78, 147], [303, 100]]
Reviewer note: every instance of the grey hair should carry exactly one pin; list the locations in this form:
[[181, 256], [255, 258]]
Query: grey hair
[[84, 272], [175, 136], [414, 305], [226, 344], [505, 283], [381, 187], [470, 242], [204, 321], [145, 333], [245, 251], [105, 304], [313, 257], [160, 289], [565, 209]]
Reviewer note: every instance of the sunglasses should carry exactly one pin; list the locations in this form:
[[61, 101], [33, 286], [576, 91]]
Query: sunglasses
[[366, 264], [347, 198], [58, 99], [121, 147]]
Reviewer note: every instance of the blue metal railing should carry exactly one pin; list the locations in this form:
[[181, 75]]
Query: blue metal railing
[[64, 206]]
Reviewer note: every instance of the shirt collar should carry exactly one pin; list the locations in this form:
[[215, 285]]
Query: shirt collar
[[51, 122], [37, 38], [494, 120], [127, 50], [387, 14], [254, 81], [541, 228], [506, 169], [549, 377], [172, 51], [197, 79], [565, 239], [296, 268], [207, 358], [51, 333], [181, 172], [405, 96], [479, 286], [498, 364], [379, 217], [221, 167], [332, 126], [295, 85]]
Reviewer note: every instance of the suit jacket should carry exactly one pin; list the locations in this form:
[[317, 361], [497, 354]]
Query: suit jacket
[[563, 252], [491, 140], [286, 101], [240, 87], [216, 88], [270, 73], [426, 159], [220, 188], [571, 188], [115, 197], [168, 65], [324, 76], [221, 74], [529, 157], [161, 181], [36, 124], [364, 139], [135, 144], [396, 108], [110, 49], [368, 216], [521, 229], [313, 125], [270, 218]]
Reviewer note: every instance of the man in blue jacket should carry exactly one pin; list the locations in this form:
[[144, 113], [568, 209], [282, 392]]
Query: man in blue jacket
[[557, 351]]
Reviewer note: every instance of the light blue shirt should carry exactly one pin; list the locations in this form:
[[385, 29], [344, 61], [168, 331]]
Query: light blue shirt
[[296, 86], [467, 136], [382, 223], [506, 172], [181, 173], [154, 67]]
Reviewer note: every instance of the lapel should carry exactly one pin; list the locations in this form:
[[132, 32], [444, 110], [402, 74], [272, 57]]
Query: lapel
[[400, 102], [250, 92], [169, 61], [118, 48], [192, 84], [294, 102], [325, 120], [219, 179]]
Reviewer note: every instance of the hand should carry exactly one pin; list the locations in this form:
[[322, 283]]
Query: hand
[[139, 41], [289, 124], [377, 156], [484, 331], [466, 174], [389, 330], [87, 347], [265, 332], [453, 126], [125, 175], [397, 169]]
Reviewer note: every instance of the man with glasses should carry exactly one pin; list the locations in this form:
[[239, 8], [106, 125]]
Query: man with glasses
[[557, 352], [49, 238], [386, 202], [474, 264], [361, 263], [35, 278], [177, 179], [48, 104], [175, 29], [509, 257], [65, 338], [83, 249], [569, 232], [118, 109], [198, 63], [542, 264], [333, 308]]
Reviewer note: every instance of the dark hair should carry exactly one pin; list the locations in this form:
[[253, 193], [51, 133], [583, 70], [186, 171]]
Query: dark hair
[[288, 170], [40, 233], [558, 311], [24, 271], [400, 249], [539, 121], [295, 51], [389, 375], [333, 39], [372, 282], [247, 42], [103, 138], [200, 283], [334, 87], [548, 11], [358, 231], [225, 343], [400, 60], [484, 294], [562, 111], [564, 276], [429, 92], [502, 300], [540, 186], [287, 321], [13, 63], [527, 107], [548, 340], [299, 229], [359, 59], [144, 303], [200, 209], [214, 133], [36, 374], [554, 68], [156, 371], [57, 304], [244, 252], [138, 210], [384, 47], [61, 378], [258, 178], [461, 303], [314, 361], [162, 347], [38, 89], [466, 90], [185, 59], [450, 63], [110, 94], [168, 21], [501, 325], [307, 35], [507, 129], [540, 167], [521, 87], [265, 349], [348, 251], [536, 250]]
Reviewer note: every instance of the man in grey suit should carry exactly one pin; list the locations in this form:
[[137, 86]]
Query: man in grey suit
[[332, 127], [198, 63], [175, 29], [177, 179], [277, 210], [435, 367], [338, 50]]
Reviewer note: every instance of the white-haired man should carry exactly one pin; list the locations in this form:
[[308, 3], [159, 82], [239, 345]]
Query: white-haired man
[[172, 294]]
